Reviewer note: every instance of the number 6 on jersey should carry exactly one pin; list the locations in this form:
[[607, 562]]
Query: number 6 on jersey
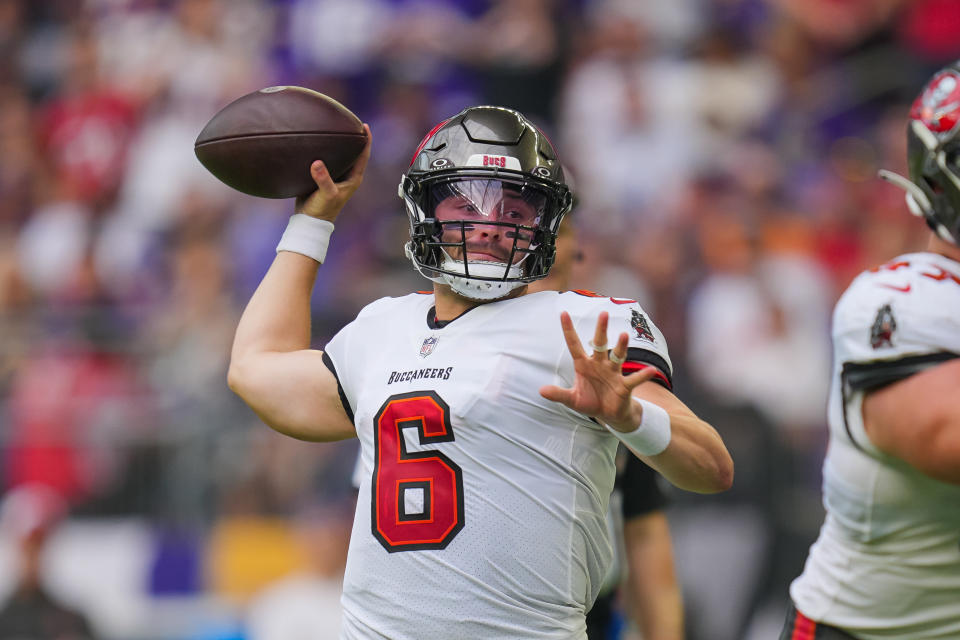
[[417, 497]]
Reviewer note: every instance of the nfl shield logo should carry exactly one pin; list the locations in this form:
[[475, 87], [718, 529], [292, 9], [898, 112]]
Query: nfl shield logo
[[427, 347]]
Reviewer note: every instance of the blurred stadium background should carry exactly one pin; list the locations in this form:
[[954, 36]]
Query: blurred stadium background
[[725, 156]]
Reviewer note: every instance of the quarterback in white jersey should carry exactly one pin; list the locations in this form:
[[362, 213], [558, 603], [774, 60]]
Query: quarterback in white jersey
[[503, 490], [487, 431], [887, 561]]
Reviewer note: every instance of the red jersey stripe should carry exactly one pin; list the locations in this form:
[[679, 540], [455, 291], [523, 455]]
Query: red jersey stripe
[[803, 628], [630, 367]]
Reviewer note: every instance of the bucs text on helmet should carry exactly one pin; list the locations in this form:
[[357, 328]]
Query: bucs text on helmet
[[484, 152], [933, 155]]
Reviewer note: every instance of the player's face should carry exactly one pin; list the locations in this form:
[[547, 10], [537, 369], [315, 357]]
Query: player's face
[[479, 208]]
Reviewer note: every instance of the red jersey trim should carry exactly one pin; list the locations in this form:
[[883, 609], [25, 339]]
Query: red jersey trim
[[803, 628], [632, 367]]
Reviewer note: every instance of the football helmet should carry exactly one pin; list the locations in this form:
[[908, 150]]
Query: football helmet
[[485, 171], [933, 155]]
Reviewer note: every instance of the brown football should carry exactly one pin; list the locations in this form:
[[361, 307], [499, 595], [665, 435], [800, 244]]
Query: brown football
[[264, 142]]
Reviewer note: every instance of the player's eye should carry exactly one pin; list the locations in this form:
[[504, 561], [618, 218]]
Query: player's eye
[[470, 211]]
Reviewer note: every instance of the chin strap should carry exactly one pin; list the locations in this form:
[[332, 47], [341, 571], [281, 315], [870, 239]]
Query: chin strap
[[481, 289], [918, 203], [470, 287]]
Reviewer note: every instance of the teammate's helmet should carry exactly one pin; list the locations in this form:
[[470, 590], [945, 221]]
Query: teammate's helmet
[[480, 156], [933, 154]]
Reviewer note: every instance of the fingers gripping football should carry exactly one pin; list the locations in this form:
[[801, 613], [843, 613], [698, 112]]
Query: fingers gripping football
[[600, 390], [326, 202]]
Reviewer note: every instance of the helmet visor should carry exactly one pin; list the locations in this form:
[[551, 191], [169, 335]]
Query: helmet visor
[[488, 201], [488, 220]]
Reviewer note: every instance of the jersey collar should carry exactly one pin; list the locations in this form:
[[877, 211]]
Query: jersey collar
[[433, 323]]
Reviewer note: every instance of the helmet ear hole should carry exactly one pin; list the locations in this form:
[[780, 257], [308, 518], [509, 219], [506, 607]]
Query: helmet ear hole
[[431, 227], [933, 186]]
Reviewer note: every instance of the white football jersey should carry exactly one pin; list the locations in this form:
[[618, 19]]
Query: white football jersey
[[887, 561], [482, 506]]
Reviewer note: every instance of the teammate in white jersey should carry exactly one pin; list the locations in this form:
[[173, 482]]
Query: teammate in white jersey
[[487, 430], [887, 561]]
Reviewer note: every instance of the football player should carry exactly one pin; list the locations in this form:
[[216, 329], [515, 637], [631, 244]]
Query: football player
[[887, 561], [487, 431]]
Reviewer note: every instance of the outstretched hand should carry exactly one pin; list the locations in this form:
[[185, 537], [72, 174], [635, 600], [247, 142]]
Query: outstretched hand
[[326, 202], [600, 390]]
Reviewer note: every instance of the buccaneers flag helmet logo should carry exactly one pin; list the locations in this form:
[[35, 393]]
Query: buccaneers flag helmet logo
[[938, 106]]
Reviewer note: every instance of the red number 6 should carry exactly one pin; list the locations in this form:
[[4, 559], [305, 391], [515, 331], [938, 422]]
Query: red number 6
[[399, 475]]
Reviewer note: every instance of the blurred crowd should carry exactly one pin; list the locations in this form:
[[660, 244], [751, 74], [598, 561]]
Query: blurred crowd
[[724, 155]]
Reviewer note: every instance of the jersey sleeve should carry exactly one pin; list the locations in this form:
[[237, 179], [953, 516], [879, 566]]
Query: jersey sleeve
[[334, 357], [886, 328], [882, 335], [646, 348], [346, 351]]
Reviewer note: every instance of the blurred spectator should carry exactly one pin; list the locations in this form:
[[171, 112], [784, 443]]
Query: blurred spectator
[[53, 245], [734, 89], [196, 57], [931, 28], [338, 37], [72, 407], [85, 129], [521, 67], [751, 314], [11, 36], [190, 336], [306, 604], [30, 514], [20, 169], [629, 124], [840, 24]]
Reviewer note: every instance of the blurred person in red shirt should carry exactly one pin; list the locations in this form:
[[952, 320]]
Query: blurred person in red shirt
[[85, 130]]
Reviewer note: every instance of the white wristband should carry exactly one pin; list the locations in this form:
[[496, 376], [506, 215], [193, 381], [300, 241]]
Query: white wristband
[[306, 236], [652, 435]]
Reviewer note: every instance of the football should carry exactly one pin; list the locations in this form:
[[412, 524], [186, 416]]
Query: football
[[263, 143]]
